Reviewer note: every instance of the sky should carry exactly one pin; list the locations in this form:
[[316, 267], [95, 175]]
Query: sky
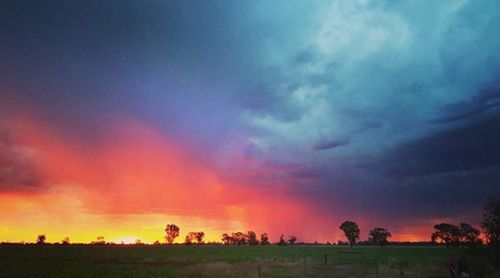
[[286, 117]]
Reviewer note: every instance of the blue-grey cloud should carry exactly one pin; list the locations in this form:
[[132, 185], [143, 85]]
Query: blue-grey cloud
[[417, 99], [471, 147], [481, 103], [326, 145]]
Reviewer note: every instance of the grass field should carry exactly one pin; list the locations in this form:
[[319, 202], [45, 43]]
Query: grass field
[[222, 261]]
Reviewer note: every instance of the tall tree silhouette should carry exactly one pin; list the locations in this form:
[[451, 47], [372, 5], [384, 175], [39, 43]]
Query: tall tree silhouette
[[252, 238], [199, 237], [379, 236], [468, 234], [446, 233], [227, 239], [282, 241], [239, 238], [491, 222], [351, 231], [172, 231]]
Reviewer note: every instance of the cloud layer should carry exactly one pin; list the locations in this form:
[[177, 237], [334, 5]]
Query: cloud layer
[[367, 110]]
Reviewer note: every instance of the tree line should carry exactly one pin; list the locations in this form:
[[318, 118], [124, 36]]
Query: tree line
[[445, 233]]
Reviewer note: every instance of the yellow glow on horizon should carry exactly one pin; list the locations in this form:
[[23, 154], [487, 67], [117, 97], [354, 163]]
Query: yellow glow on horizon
[[59, 217], [123, 192]]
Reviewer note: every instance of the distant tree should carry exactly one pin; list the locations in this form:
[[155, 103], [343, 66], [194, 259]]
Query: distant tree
[[252, 238], [188, 239], [292, 239], [199, 237], [99, 241], [468, 234], [65, 241], [264, 239], [172, 231], [239, 238], [227, 239], [448, 234], [351, 231], [340, 243], [194, 236], [40, 239], [138, 242], [379, 236], [491, 222], [157, 242], [282, 240]]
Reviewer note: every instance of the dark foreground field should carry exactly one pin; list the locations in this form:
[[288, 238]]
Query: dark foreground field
[[222, 261]]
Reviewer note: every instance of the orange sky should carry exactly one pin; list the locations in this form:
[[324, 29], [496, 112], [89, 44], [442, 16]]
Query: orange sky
[[281, 117], [135, 181]]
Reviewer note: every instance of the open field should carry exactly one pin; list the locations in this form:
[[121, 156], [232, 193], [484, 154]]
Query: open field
[[222, 261]]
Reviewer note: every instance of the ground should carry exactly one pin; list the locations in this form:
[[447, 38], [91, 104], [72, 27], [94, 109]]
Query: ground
[[222, 261]]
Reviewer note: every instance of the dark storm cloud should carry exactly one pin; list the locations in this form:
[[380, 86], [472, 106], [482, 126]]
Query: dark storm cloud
[[447, 175], [469, 147], [451, 196], [175, 64], [282, 76], [456, 195], [483, 102]]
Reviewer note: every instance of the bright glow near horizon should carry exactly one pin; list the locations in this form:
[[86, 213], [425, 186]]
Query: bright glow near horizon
[[285, 117]]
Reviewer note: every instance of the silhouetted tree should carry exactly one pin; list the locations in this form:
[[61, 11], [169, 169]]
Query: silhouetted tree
[[188, 239], [199, 237], [65, 241], [157, 242], [491, 222], [227, 239], [340, 243], [138, 242], [264, 239], [239, 238], [194, 236], [351, 231], [252, 238], [99, 241], [172, 231], [292, 239], [282, 240], [468, 234], [379, 236], [40, 239], [448, 234]]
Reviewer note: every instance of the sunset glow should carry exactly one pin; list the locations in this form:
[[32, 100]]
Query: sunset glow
[[289, 117], [132, 183]]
